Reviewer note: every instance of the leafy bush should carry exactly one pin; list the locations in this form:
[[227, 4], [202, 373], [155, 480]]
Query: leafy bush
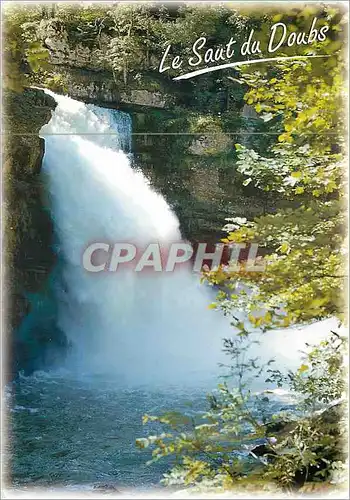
[[240, 438]]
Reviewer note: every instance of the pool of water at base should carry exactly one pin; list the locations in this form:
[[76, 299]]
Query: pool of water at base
[[65, 432], [70, 432]]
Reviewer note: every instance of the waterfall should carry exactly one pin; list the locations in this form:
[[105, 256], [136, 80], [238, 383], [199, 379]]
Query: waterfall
[[141, 328]]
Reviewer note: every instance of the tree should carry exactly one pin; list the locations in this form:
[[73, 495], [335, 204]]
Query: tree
[[24, 53], [129, 48], [304, 242]]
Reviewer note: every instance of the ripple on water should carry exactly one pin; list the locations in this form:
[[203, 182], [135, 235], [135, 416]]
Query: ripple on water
[[65, 431]]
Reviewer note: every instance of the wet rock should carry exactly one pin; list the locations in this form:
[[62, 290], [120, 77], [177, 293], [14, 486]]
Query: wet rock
[[106, 489]]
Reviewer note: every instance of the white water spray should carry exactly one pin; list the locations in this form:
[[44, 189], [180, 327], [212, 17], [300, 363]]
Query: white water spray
[[142, 328]]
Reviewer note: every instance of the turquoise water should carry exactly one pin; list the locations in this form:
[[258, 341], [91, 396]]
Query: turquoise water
[[68, 432]]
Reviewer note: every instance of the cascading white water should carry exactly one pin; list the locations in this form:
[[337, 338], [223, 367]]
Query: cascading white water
[[143, 327], [140, 327]]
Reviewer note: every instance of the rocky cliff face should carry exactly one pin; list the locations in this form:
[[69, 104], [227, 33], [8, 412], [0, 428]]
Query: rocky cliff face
[[28, 228], [85, 69], [195, 173]]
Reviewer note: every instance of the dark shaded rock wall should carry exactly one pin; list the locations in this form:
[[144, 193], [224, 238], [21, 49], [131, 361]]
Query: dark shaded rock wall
[[28, 253], [200, 184]]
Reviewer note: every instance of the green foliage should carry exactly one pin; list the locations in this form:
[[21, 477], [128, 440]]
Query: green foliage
[[278, 92], [304, 274], [207, 448], [316, 445], [317, 113], [22, 47], [293, 170], [321, 378], [134, 35], [304, 242]]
